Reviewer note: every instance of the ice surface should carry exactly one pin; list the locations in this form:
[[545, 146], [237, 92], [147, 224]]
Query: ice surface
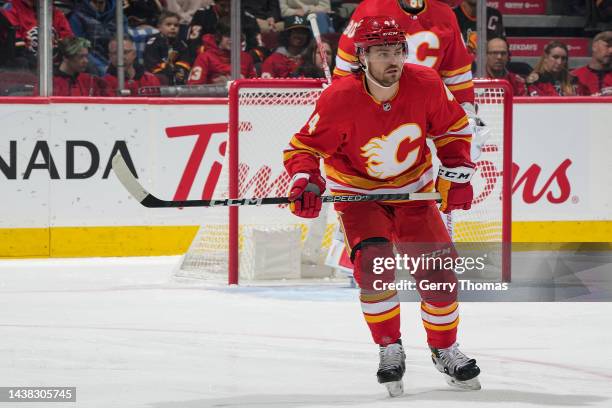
[[126, 335]]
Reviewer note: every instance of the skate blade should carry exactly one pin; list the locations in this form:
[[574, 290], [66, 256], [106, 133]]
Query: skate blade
[[395, 388], [468, 385]]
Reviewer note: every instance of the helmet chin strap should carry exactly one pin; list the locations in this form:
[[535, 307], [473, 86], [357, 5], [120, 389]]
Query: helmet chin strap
[[370, 77]]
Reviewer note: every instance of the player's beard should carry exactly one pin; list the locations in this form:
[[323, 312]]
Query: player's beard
[[389, 76]]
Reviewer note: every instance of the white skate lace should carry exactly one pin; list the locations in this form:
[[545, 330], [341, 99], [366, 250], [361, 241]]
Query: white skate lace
[[453, 358], [391, 356]]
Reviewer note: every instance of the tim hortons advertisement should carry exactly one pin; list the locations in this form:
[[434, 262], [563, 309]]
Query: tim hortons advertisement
[[55, 165]]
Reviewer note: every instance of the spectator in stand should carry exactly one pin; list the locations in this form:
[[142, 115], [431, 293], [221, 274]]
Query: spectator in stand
[[551, 76], [142, 16], [186, 9], [313, 64], [214, 66], [95, 21], [70, 78], [140, 33], [597, 75], [266, 13], [498, 56], [598, 12], [140, 12], [65, 6], [322, 9], [287, 58], [205, 21], [135, 75], [23, 21], [166, 55], [466, 17]]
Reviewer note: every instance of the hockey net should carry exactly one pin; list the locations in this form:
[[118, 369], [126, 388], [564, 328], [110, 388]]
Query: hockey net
[[268, 242]]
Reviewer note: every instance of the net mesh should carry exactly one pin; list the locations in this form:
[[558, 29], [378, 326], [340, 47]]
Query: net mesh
[[267, 119]]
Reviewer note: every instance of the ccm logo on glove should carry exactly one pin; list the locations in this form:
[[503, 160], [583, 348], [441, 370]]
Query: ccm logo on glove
[[454, 186], [456, 174]]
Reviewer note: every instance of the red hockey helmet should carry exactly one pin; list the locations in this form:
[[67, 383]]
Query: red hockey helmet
[[378, 30]]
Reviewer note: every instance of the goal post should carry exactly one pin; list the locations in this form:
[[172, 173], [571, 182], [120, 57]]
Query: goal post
[[263, 115]]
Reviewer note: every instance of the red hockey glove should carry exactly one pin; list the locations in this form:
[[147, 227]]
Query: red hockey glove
[[305, 191], [454, 186]]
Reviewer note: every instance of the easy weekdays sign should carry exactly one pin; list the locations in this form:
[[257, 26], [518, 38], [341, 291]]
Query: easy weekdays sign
[[534, 46], [519, 7]]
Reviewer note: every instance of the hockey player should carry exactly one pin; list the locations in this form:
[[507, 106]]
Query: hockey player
[[433, 36], [370, 129], [434, 40]]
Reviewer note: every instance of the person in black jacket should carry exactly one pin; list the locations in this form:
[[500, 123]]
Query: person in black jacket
[[166, 55], [266, 12]]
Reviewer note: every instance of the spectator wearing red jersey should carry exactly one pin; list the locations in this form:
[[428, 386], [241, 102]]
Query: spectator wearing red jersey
[[287, 58], [21, 15], [597, 75], [498, 56], [214, 66], [135, 74], [551, 76], [70, 78]]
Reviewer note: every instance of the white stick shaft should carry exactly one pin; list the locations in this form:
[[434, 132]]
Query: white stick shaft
[[312, 18]]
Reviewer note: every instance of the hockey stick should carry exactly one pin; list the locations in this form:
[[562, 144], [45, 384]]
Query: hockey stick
[[133, 186], [312, 18]]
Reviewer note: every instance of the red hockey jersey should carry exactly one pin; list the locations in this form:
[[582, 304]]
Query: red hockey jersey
[[373, 147], [82, 84], [545, 85], [519, 87], [595, 81], [280, 64], [24, 19], [214, 63], [434, 40], [141, 79]]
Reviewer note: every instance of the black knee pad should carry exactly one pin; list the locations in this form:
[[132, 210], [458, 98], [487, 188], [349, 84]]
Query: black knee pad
[[366, 242]]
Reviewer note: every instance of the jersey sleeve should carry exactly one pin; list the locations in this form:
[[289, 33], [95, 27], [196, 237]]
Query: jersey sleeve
[[199, 71], [448, 127], [249, 68], [318, 138], [267, 67], [456, 67], [346, 59], [62, 26]]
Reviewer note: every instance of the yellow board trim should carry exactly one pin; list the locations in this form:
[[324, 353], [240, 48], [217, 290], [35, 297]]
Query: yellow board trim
[[562, 231], [24, 242], [175, 240], [383, 317], [67, 242]]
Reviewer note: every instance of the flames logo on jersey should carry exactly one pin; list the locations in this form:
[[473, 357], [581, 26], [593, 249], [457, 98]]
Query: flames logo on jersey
[[393, 154]]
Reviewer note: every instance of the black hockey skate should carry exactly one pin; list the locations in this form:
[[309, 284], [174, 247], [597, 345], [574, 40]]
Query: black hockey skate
[[459, 370], [392, 367]]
